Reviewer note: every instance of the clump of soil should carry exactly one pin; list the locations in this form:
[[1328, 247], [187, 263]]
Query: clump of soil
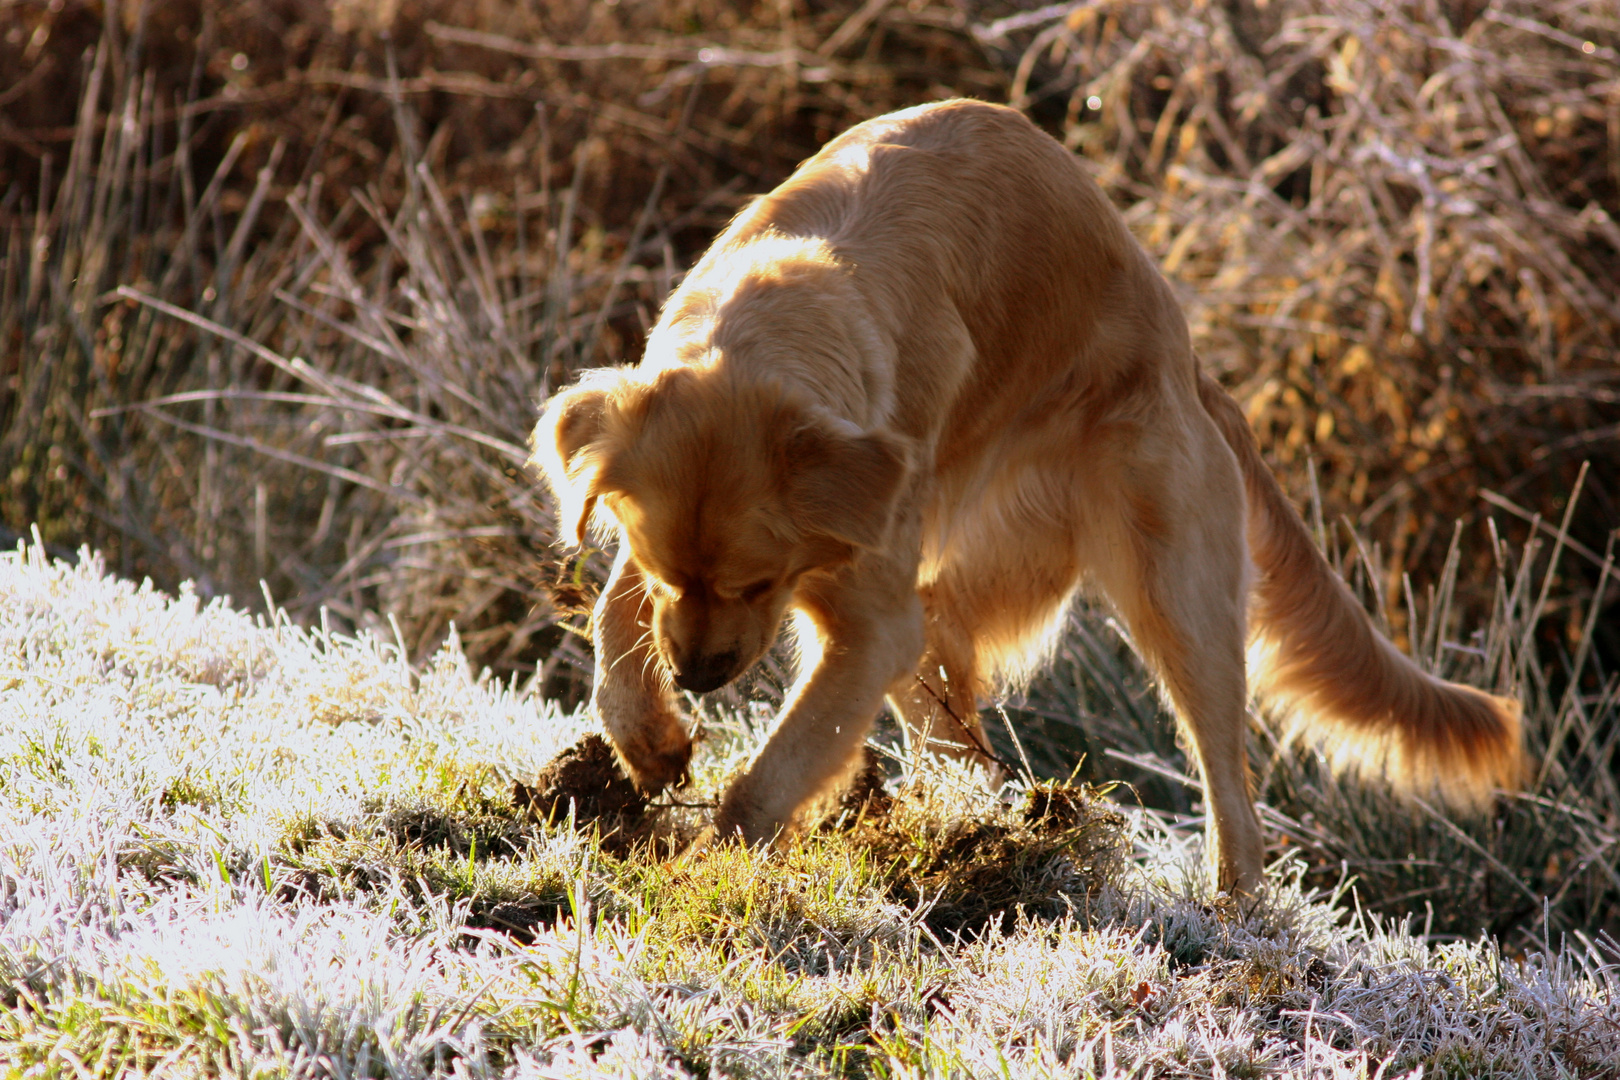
[[1053, 807], [983, 867], [587, 777]]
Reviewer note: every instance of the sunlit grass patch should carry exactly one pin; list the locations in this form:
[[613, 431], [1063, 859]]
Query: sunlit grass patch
[[203, 874]]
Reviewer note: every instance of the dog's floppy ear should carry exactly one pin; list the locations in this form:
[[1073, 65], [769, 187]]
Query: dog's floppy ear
[[844, 486], [568, 448]]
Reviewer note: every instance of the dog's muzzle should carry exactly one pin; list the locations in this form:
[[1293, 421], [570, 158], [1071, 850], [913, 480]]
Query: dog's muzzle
[[704, 673]]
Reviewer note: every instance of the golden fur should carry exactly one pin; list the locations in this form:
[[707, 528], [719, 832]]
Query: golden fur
[[917, 396]]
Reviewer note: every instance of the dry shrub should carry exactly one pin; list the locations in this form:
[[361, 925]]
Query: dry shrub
[[1393, 222]]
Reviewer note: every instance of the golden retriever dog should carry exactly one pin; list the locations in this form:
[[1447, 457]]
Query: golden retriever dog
[[918, 396]]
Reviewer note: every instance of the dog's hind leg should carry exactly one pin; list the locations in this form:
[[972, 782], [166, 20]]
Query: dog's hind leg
[[632, 695], [1172, 558], [938, 703], [992, 609]]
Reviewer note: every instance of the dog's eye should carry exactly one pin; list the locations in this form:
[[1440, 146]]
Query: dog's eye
[[669, 589], [757, 589]]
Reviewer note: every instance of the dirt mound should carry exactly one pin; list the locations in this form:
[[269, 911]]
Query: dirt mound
[[1045, 855], [586, 779]]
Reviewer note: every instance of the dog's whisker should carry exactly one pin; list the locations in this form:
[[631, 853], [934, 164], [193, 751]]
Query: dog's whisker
[[639, 645]]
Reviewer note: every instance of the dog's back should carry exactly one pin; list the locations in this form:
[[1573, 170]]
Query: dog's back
[[994, 265]]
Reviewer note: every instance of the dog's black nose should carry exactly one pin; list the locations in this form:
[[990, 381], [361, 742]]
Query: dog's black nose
[[704, 673]]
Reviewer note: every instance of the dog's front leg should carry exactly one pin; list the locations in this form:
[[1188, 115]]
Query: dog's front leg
[[859, 631], [632, 695]]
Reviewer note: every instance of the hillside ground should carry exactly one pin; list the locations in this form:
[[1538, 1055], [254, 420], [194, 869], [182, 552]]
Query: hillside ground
[[230, 846]]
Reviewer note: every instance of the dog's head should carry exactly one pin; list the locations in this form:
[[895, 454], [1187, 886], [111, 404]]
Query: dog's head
[[727, 493]]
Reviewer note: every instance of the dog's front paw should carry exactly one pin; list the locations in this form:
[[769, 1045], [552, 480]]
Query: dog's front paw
[[742, 818], [705, 841], [652, 742], [654, 768], [698, 850]]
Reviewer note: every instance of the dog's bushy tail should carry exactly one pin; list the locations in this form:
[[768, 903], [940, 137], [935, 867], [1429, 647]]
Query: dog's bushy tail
[[1317, 653]]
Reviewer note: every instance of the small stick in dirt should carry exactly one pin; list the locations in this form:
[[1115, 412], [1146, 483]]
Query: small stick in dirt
[[975, 742]]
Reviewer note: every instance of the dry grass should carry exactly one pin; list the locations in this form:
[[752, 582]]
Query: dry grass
[[1393, 222]]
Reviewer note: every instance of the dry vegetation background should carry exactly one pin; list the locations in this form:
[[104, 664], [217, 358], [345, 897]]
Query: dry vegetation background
[[282, 282]]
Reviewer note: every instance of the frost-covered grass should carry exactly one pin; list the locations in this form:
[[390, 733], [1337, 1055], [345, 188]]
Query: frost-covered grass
[[231, 846]]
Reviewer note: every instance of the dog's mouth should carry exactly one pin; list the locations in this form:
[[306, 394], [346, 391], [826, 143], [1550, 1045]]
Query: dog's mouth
[[701, 674]]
